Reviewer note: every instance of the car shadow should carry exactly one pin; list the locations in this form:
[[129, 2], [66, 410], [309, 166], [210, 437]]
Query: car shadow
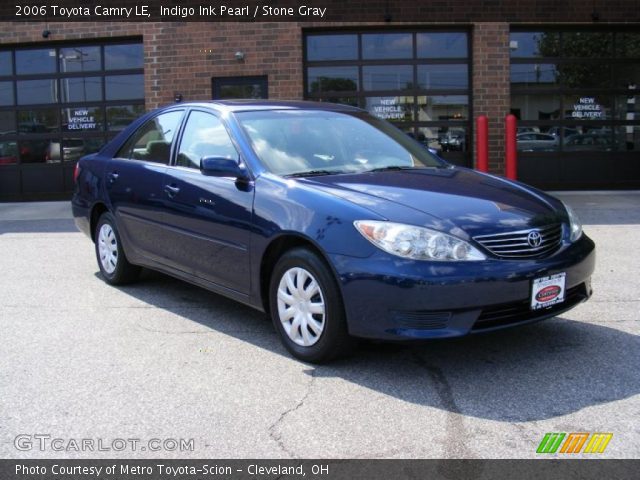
[[534, 372]]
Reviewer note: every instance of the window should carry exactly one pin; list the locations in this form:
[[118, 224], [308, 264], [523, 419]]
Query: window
[[534, 44], [380, 46], [29, 62], [119, 117], [332, 79], [443, 107], [33, 92], [124, 87], [152, 141], [7, 123], [54, 101], [443, 77], [536, 106], [332, 47], [8, 152], [442, 45], [418, 80], [6, 93], [80, 59], [123, 57], [384, 78], [44, 120], [6, 63], [578, 86], [240, 87], [81, 89], [204, 136], [534, 75]]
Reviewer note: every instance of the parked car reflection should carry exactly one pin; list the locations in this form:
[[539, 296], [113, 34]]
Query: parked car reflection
[[453, 140], [592, 141], [72, 149], [8, 153], [536, 142]]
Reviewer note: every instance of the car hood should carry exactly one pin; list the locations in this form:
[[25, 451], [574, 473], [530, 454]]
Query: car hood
[[449, 199]]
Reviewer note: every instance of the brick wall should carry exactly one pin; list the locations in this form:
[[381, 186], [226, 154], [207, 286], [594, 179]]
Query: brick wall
[[491, 84], [183, 56]]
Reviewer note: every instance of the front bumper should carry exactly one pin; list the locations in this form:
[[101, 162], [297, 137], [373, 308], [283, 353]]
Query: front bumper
[[390, 298]]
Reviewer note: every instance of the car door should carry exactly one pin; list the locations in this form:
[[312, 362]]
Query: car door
[[208, 218], [134, 184]]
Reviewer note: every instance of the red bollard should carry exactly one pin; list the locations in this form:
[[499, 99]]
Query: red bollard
[[511, 157], [482, 143]]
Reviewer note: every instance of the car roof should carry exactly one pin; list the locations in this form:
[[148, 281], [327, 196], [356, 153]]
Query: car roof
[[253, 105]]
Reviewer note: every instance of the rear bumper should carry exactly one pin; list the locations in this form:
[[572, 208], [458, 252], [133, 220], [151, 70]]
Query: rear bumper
[[389, 298], [81, 215]]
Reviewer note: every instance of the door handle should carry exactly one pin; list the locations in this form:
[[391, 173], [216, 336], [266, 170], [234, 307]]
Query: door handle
[[112, 177], [171, 190]]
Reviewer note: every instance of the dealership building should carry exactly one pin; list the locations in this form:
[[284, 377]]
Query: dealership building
[[67, 88]]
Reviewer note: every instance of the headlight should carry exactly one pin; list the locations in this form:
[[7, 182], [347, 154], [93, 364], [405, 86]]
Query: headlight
[[574, 224], [417, 243]]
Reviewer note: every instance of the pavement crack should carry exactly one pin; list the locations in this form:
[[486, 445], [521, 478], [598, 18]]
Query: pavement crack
[[456, 432], [273, 428], [194, 332], [177, 332]]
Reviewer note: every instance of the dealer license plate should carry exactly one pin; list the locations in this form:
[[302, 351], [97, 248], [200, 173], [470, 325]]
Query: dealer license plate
[[547, 291]]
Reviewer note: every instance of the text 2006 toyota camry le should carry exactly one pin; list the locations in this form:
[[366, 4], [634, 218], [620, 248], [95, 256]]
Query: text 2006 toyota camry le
[[334, 222]]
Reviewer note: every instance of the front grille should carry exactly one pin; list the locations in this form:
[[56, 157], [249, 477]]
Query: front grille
[[520, 312], [516, 244]]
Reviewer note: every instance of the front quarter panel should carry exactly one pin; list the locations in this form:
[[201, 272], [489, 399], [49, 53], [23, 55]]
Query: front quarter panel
[[285, 206]]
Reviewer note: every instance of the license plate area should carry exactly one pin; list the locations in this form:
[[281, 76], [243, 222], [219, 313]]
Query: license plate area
[[548, 291]]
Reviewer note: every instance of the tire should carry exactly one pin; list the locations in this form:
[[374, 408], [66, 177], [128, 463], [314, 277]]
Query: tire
[[113, 263], [310, 321]]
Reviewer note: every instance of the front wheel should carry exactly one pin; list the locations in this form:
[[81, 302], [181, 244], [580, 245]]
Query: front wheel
[[306, 307], [114, 266]]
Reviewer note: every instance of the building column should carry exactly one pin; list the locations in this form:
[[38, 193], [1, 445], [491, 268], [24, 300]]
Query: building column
[[491, 85]]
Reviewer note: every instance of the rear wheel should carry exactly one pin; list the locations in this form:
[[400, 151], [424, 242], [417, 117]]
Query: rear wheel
[[307, 309], [114, 266]]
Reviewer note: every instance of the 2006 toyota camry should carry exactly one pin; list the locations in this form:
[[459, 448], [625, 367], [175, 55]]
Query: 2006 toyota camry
[[334, 222]]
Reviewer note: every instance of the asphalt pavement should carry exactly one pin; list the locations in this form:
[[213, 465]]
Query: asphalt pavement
[[184, 373]]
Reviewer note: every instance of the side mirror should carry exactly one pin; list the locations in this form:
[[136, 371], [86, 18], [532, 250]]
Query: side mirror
[[221, 167]]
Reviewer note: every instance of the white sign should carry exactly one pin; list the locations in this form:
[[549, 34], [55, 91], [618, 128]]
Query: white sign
[[81, 120], [587, 109], [388, 109]]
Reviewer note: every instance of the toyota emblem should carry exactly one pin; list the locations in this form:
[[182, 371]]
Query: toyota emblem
[[534, 238]]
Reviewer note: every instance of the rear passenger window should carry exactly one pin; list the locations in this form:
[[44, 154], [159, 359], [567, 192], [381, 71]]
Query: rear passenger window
[[204, 136], [152, 141]]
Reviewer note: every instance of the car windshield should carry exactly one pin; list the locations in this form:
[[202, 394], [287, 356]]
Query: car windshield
[[318, 142]]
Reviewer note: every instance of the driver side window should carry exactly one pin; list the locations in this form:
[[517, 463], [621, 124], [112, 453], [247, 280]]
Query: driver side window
[[204, 136]]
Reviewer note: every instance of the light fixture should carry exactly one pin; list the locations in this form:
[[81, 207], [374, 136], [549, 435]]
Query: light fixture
[[239, 55]]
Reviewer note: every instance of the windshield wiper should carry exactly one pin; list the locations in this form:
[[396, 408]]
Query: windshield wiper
[[397, 168], [391, 168], [312, 173]]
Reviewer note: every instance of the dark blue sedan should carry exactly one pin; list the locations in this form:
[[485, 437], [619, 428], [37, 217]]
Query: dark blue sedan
[[334, 222]]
